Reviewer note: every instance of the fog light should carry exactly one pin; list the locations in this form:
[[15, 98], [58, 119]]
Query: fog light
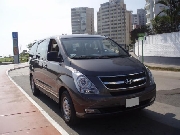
[[153, 99], [92, 111]]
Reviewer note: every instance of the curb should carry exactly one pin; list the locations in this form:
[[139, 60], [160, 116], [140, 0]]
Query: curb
[[172, 69], [158, 68], [17, 68], [44, 113]]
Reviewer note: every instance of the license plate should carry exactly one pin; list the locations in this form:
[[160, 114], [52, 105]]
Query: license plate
[[132, 102]]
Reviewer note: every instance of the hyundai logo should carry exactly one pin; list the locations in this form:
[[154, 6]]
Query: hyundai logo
[[128, 81]]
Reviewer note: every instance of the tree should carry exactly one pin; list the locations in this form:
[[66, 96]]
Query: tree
[[161, 24], [142, 29], [172, 10]]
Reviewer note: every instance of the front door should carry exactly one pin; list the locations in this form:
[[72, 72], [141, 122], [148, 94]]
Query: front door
[[41, 64], [52, 70]]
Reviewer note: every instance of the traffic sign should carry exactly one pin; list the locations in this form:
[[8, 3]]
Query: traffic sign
[[141, 34], [15, 35], [16, 50], [15, 42], [15, 47], [141, 38]]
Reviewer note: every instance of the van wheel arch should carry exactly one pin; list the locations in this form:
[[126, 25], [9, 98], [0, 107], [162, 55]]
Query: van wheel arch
[[61, 90], [64, 94]]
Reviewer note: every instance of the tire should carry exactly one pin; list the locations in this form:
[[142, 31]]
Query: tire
[[67, 109], [34, 89]]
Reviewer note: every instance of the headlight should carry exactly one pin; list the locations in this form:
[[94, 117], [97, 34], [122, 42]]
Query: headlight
[[83, 84], [151, 78]]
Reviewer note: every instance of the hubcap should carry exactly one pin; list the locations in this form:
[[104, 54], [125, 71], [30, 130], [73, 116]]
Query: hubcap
[[66, 109]]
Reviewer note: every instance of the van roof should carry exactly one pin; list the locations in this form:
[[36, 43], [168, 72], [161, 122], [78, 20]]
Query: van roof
[[80, 35], [72, 36]]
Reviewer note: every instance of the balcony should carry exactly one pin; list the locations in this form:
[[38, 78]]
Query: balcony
[[147, 6], [148, 14], [148, 21]]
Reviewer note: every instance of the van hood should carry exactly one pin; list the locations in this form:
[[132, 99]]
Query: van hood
[[106, 67]]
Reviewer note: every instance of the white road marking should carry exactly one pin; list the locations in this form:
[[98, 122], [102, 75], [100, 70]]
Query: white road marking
[[46, 115]]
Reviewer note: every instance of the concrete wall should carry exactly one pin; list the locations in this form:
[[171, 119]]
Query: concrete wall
[[163, 45]]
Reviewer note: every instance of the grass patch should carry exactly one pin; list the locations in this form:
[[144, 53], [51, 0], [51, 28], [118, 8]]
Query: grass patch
[[7, 59], [164, 69]]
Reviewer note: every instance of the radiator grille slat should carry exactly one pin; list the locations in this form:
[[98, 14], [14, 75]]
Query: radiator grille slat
[[124, 81]]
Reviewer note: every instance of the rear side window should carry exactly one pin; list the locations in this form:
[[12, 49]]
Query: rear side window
[[32, 52], [42, 50]]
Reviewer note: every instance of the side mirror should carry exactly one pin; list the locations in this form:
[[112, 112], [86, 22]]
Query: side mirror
[[53, 56]]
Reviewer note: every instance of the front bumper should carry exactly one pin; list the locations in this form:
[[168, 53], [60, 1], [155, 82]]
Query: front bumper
[[107, 105]]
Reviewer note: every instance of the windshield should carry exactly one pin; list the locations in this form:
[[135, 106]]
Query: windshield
[[92, 48]]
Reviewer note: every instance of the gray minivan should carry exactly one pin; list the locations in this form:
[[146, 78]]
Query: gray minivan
[[89, 75]]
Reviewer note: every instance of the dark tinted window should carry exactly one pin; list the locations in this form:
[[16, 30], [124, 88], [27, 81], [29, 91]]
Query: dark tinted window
[[42, 50], [93, 47]]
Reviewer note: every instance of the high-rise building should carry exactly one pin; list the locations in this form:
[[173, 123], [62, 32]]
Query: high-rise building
[[128, 26], [135, 21], [142, 16], [82, 20], [152, 10], [111, 21]]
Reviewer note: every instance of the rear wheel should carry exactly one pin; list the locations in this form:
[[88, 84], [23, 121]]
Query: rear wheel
[[67, 109], [34, 89]]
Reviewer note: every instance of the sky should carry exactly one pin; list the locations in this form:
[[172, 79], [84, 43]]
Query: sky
[[38, 19]]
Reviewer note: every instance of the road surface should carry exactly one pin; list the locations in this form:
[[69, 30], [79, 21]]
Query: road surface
[[163, 117]]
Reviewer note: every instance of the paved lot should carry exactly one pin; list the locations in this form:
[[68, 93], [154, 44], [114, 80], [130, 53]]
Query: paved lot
[[163, 117]]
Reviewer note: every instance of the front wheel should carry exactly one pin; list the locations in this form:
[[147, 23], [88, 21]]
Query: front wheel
[[67, 109], [34, 89]]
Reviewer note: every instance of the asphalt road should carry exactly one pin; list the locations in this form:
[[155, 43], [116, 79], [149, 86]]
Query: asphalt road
[[163, 117]]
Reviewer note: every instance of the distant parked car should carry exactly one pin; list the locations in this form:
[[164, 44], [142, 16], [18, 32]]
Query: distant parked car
[[89, 75]]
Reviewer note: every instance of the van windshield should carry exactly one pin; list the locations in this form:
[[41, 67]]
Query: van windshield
[[89, 48]]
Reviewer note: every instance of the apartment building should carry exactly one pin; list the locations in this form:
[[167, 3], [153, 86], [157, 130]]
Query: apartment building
[[135, 21], [141, 16], [111, 21], [129, 27], [82, 20], [152, 10]]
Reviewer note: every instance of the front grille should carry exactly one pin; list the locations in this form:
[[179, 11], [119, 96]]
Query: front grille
[[124, 81]]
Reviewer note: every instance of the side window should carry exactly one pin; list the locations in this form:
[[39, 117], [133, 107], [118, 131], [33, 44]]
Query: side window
[[110, 47], [53, 46], [42, 49], [32, 52]]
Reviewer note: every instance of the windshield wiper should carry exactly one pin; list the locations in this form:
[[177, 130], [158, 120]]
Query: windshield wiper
[[97, 57], [102, 57], [82, 57], [123, 55], [112, 56]]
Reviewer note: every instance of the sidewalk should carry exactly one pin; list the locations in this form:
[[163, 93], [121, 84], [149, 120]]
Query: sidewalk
[[157, 65], [18, 116]]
